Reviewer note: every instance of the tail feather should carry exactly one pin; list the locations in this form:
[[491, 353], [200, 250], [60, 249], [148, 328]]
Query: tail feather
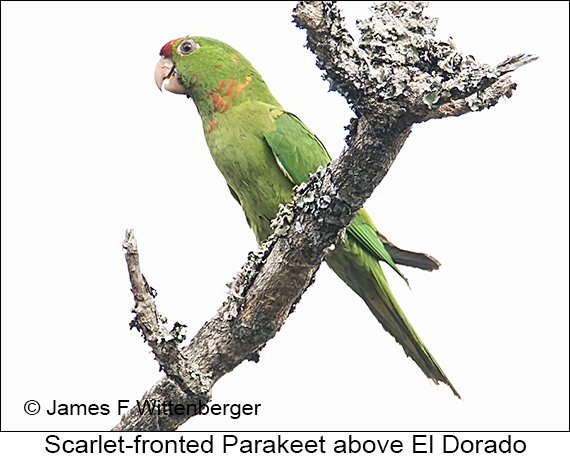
[[387, 311], [409, 258], [363, 274]]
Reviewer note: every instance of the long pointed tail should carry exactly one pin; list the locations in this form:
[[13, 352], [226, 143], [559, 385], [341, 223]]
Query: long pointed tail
[[363, 274]]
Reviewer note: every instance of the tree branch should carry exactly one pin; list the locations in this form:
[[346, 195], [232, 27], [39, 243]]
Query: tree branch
[[396, 76]]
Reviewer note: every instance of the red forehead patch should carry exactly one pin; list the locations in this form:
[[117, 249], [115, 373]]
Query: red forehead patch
[[166, 50]]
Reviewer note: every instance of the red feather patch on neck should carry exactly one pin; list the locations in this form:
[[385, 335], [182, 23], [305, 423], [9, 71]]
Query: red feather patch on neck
[[166, 50]]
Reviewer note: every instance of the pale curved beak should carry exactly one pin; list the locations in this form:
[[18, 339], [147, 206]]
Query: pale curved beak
[[165, 71]]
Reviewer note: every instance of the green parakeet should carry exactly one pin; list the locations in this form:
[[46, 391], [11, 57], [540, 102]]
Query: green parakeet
[[263, 151]]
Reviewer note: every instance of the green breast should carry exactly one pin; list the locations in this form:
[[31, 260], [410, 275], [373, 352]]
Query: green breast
[[241, 153]]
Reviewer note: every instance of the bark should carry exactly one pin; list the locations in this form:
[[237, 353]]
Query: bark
[[396, 76]]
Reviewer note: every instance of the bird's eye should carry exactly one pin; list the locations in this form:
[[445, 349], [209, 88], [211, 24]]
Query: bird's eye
[[187, 46]]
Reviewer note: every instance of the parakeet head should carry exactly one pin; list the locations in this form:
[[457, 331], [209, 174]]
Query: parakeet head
[[202, 67]]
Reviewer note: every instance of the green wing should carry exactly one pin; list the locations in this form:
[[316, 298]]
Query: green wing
[[299, 152]]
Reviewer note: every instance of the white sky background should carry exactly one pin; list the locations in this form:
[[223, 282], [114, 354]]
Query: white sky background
[[90, 148]]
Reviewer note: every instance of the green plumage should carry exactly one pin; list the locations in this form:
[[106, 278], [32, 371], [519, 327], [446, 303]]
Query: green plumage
[[263, 151]]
